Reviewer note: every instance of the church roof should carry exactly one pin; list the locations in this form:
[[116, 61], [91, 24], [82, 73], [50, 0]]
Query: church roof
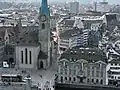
[[29, 38]]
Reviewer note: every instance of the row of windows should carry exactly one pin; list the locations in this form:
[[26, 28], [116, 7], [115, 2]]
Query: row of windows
[[74, 72], [114, 67], [80, 68], [74, 79], [67, 79], [115, 64], [26, 57], [114, 77], [117, 73], [95, 81]]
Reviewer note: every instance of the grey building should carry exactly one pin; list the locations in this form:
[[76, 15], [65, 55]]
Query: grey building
[[94, 38], [82, 66], [113, 72]]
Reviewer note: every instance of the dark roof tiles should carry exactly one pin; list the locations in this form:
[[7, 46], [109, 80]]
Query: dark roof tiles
[[70, 33], [89, 54]]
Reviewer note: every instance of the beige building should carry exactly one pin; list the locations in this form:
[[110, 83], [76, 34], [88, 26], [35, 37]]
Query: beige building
[[82, 66]]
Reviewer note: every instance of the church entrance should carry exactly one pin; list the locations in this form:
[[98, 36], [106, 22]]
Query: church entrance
[[41, 64]]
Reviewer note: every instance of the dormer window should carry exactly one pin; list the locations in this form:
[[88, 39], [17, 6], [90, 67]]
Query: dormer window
[[75, 51], [82, 52], [89, 53]]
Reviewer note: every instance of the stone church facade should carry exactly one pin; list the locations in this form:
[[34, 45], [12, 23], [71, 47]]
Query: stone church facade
[[33, 49], [28, 47]]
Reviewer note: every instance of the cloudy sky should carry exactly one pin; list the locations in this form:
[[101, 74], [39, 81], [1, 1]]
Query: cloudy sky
[[86, 1], [81, 1]]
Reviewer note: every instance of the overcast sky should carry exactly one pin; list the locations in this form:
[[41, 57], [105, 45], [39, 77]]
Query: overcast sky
[[81, 1], [86, 1]]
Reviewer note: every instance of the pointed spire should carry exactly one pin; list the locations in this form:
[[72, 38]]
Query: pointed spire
[[44, 8], [44, 3]]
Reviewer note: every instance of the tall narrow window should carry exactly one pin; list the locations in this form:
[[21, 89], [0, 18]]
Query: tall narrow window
[[43, 26], [26, 62], [30, 57], [21, 57]]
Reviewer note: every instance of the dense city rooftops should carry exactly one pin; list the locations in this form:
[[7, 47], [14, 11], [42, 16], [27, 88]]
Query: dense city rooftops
[[117, 61], [71, 33]]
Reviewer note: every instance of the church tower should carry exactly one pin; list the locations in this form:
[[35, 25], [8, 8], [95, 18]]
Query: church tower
[[44, 35]]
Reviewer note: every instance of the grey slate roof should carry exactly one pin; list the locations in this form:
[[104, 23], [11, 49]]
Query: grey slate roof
[[69, 22], [87, 23], [29, 38], [70, 33], [117, 61], [89, 54]]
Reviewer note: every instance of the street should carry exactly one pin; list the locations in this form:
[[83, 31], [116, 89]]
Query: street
[[41, 78]]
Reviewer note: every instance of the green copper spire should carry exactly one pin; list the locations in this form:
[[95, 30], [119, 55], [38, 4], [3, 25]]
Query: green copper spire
[[44, 8]]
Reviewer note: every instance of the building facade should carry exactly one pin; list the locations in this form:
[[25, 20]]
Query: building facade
[[74, 7], [82, 66], [113, 72], [27, 57]]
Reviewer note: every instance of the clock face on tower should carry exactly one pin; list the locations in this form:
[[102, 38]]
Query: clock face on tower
[[43, 18]]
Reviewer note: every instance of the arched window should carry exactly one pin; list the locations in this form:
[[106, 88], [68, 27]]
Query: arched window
[[43, 25], [88, 80], [61, 79], [97, 81], [41, 64], [69, 78], [101, 81], [26, 56], [74, 79], [30, 57], [66, 78], [92, 80], [21, 57]]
